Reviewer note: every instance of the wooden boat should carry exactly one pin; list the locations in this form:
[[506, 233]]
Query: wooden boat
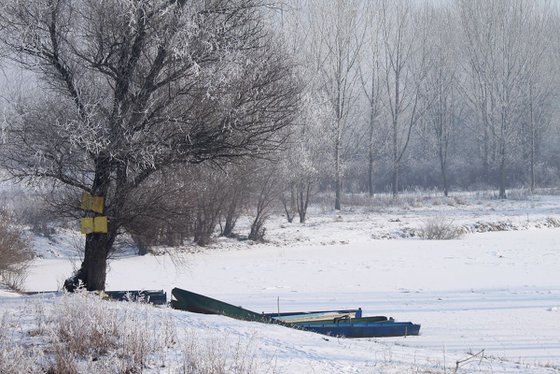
[[312, 317], [363, 330], [322, 315], [342, 320], [355, 312]]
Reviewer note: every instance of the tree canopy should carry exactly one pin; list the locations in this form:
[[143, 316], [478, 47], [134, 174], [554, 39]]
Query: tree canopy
[[129, 87]]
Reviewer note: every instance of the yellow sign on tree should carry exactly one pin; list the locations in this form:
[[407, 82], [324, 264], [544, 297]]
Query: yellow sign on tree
[[92, 203], [86, 225], [90, 225], [100, 224]]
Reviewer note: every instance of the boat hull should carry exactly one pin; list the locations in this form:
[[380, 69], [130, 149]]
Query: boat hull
[[196, 303], [364, 330]]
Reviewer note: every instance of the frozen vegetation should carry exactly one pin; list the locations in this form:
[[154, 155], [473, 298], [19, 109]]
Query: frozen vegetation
[[493, 294], [262, 155]]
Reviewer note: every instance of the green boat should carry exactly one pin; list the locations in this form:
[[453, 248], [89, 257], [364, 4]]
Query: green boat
[[193, 302], [196, 303]]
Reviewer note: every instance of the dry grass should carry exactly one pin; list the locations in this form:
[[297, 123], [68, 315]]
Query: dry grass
[[208, 358], [81, 333], [97, 330]]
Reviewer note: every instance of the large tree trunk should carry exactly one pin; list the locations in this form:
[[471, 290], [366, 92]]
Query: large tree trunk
[[93, 271], [94, 266]]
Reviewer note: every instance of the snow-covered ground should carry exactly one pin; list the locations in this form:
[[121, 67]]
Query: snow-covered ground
[[494, 291]]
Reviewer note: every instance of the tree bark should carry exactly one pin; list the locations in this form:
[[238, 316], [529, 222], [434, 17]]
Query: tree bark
[[533, 135], [95, 260], [395, 180], [92, 272], [303, 200], [444, 176], [337, 177], [395, 160], [371, 188], [502, 193]]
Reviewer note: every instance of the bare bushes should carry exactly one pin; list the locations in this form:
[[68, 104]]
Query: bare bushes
[[199, 202], [208, 358], [158, 213], [188, 203], [439, 228], [34, 213], [86, 327], [81, 333], [15, 253], [266, 188]]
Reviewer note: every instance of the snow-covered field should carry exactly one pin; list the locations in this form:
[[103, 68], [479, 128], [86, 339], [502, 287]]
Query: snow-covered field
[[493, 291]]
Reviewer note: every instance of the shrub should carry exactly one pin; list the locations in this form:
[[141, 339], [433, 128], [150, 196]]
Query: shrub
[[213, 356], [438, 228], [15, 254]]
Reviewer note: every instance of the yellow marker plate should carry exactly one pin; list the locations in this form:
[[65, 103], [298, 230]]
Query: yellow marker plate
[[92, 203]]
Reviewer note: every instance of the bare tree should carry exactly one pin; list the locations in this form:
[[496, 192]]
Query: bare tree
[[442, 85], [499, 55], [131, 87], [337, 35], [371, 78], [404, 32], [308, 157], [477, 46], [538, 87]]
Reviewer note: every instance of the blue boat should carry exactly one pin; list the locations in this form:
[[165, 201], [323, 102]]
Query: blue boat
[[363, 330]]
